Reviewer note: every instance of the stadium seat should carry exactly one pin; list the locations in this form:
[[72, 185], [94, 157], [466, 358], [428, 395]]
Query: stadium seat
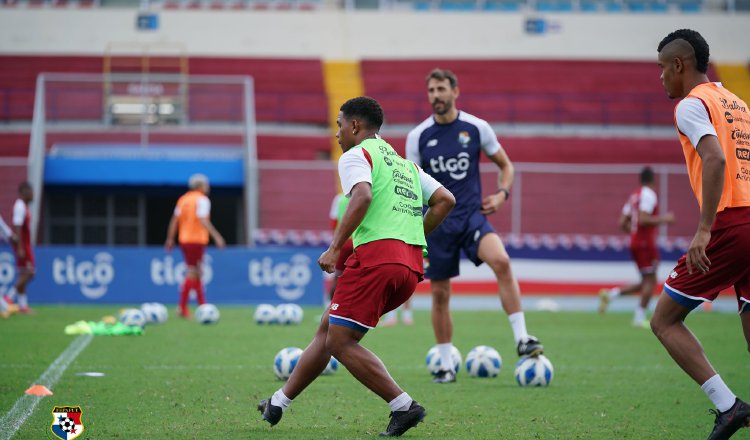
[[503, 6]]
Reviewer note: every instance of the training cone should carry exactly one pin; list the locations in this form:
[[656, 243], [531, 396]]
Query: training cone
[[39, 390]]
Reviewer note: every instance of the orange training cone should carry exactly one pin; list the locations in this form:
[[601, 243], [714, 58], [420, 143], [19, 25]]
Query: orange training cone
[[39, 390]]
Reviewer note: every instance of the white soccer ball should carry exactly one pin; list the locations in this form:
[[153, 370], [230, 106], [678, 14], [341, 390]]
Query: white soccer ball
[[483, 361], [133, 317], [285, 361], [332, 366], [433, 360], [156, 313], [207, 314], [289, 314], [265, 314], [534, 371]]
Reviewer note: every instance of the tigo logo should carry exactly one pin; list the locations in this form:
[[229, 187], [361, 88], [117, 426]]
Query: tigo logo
[[92, 276], [290, 279]]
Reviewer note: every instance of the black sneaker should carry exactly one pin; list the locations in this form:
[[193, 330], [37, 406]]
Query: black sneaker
[[402, 421], [444, 376], [530, 346], [728, 422], [271, 413]]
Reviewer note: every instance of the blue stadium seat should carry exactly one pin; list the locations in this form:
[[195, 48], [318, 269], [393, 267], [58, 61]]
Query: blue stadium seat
[[590, 6], [422, 5], [614, 7], [458, 5], [503, 6], [554, 6]]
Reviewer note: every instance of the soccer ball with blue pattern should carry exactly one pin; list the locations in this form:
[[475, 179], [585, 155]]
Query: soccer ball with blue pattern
[[155, 313], [285, 361], [207, 314], [433, 360], [534, 371], [133, 317], [289, 314], [332, 366], [265, 314], [483, 361]]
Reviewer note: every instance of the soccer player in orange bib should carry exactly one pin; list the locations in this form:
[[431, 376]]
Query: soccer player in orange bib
[[192, 219], [713, 125]]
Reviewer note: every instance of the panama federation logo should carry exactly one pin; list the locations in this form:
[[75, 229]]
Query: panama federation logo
[[66, 422], [464, 138]]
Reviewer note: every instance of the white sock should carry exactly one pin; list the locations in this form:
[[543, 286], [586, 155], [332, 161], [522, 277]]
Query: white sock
[[406, 315], [280, 399], [11, 293], [614, 292], [3, 304], [719, 393], [640, 314], [518, 324], [22, 301], [402, 402], [446, 360]]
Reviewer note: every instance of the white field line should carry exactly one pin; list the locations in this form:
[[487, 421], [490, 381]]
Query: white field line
[[24, 406]]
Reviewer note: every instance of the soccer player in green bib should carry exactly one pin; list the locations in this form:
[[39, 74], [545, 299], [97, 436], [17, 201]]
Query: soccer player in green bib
[[384, 217]]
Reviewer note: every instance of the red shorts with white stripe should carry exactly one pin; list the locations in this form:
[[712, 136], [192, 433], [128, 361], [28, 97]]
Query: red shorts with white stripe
[[27, 261], [729, 253], [645, 255], [364, 294]]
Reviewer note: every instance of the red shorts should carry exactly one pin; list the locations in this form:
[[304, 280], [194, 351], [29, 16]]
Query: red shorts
[[346, 251], [646, 256], [27, 262], [364, 294], [729, 252], [193, 253]]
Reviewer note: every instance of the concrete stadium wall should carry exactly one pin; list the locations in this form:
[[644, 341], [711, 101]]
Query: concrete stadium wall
[[368, 35]]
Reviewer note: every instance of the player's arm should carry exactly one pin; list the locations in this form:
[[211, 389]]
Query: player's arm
[[19, 217], [212, 231], [624, 223], [714, 163], [438, 199], [359, 203], [171, 232], [492, 203], [648, 219]]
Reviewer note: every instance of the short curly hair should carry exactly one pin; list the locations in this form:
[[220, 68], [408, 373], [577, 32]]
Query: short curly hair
[[364, 108], [700, 47]]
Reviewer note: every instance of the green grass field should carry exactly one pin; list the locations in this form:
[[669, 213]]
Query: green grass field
[[183, 380]]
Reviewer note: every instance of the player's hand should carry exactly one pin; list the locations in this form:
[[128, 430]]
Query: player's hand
[[220, 243], [668, 218], [169, 244], [21, 252], [492, 203], [696, 257], [327, 260]]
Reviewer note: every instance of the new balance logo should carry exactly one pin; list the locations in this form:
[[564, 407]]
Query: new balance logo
[[432, 142], [673, 275], [334, 306]]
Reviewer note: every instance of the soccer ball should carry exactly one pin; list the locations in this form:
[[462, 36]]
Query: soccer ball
[[534, 371], [134, 317], [285, 361], [332, 366], [67, 424], [207, 314], [433, 360], [289, 314], [483, 361], [155, 313], [265, 314]]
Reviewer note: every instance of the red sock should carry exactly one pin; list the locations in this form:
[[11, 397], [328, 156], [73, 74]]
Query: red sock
[[184, 295], [199, 291]]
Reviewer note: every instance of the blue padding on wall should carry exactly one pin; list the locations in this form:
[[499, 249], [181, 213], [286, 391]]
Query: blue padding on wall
[[132, 165]]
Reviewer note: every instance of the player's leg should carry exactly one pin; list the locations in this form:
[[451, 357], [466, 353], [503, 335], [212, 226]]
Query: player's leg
[[200, 295], [745, 319], [407, 317], [648, 283], [442, 325], [189, 283], [606, 296], [311, 363], [492, 252], [24, 277]]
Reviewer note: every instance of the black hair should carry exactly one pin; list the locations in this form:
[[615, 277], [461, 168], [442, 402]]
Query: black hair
[[647, 175], [364, 108], [700, 47], [441, 75], [23, 186]]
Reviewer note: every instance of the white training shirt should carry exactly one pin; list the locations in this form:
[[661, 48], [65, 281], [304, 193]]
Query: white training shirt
[[693, 120], [354, 168], [202, 208], [333, 214], [647, 202], [19, 213]]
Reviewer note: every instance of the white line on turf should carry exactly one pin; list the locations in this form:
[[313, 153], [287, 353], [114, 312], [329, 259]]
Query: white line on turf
[[24, 406]]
